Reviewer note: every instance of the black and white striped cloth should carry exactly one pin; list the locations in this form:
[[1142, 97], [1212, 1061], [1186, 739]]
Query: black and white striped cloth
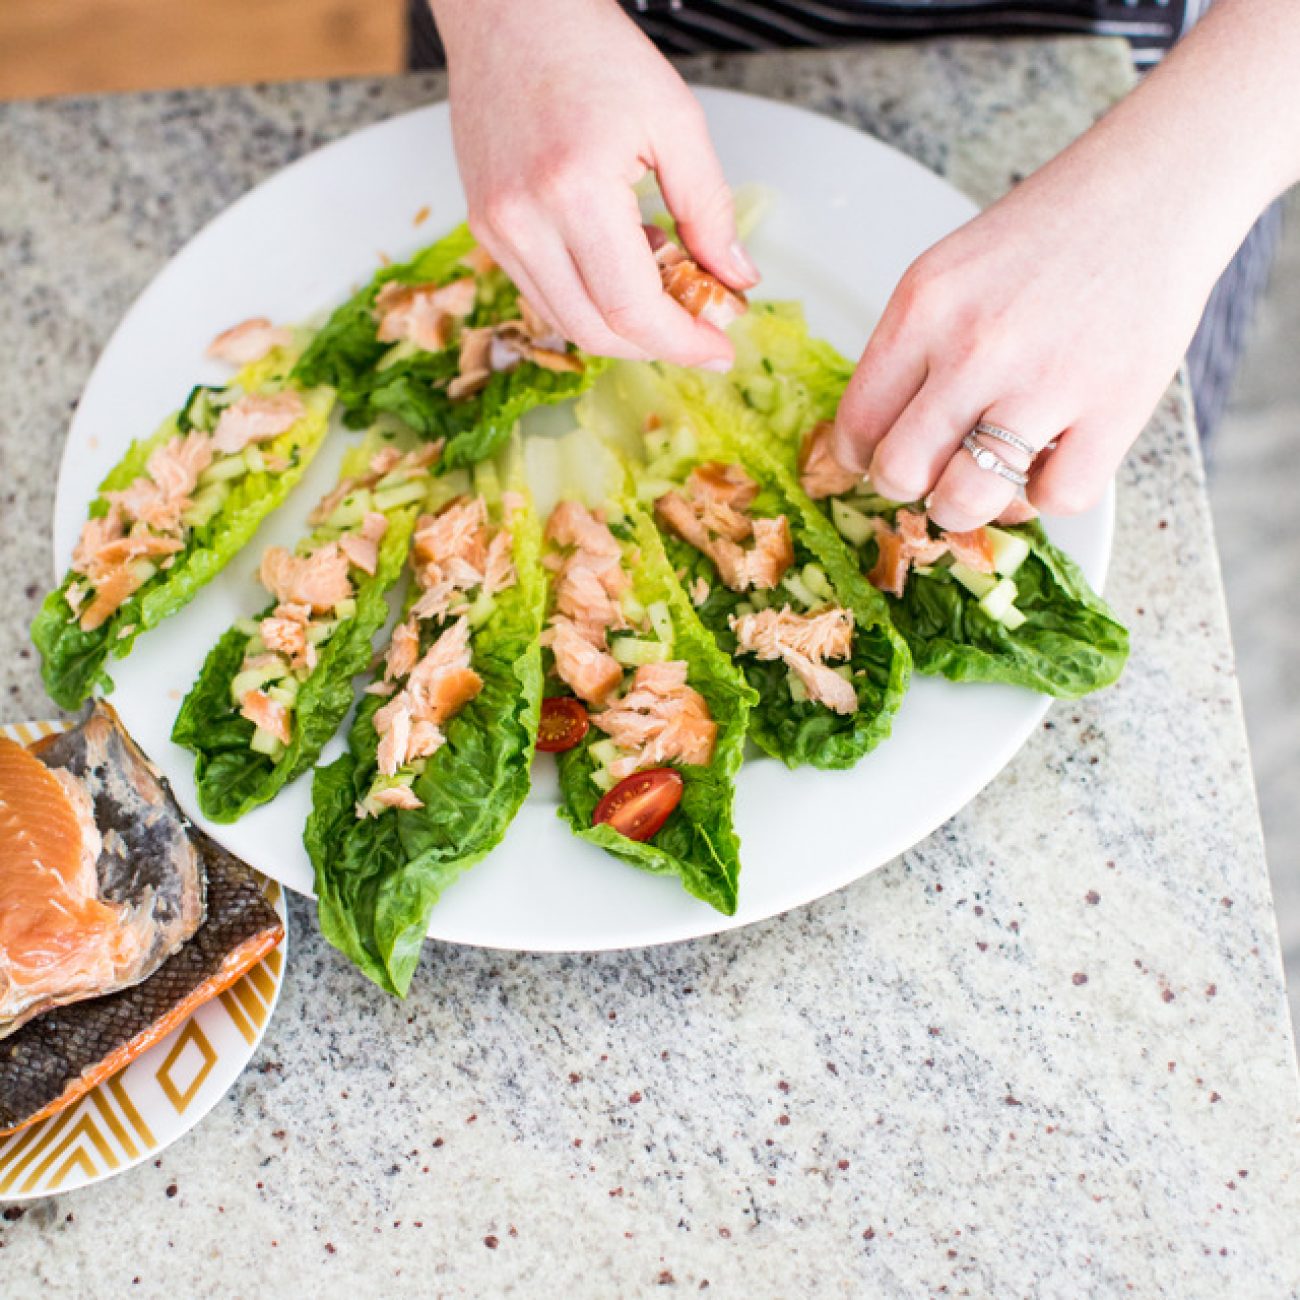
[[682, 27]]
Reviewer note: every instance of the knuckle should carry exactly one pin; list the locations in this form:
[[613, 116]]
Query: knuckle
[[503, 211], [896, 474], [1063, 496]]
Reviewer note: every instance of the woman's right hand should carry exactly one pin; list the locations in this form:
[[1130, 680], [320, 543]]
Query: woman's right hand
[[557, 111]]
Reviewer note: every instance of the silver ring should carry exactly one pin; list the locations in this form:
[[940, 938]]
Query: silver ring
[[988, 459], [1005, 435]]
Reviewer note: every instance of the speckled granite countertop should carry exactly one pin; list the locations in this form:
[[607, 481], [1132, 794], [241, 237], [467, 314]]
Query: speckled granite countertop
[[1044, 1054]]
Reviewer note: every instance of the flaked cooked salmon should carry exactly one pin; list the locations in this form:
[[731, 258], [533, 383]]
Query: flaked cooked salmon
[[661, 720], [909, 542], [688, 283], [99, 882], [387, 461], [284, 632], [437, 687], [256, 417], [423, 314], [361, 545], [709, 514], [820, 474], [249, 341], [588, 670], [319, 580], [804, 642], [267, 714]]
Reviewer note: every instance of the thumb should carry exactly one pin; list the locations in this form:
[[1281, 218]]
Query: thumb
[[699, 198]]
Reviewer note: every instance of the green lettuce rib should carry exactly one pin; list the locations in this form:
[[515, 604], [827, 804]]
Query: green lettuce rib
[[373, 377], [698, 842], [232, 778], [1071, 643], [796, 732], [73, 661], [378, 878]]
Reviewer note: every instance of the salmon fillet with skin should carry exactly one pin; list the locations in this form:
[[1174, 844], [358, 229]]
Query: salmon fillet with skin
[[55, 1059], [99, 882]]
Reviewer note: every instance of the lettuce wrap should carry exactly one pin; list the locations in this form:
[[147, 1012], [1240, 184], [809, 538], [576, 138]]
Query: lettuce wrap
[[237, 767], [698, 842], [671, 423], [379, 875], [232, 497], [412, 381], [1060, 637]]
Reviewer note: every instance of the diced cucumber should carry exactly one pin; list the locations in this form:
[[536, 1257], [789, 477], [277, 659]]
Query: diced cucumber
[[855, 527], [815, 579], [406, 495], [649, 490], [285, 691], [224, 469], [978, 584], [254, 459], [352, 509], [996, 602], [786, 417], [380, 783], [632, 652], [398, 352], [346, 609], [633, 609], [795, 585], [603, 779], [1010, 550], [760, 392], [743, 607], [203, 406], [481, 610], [760, 599], [686, 446], [1012, 618], [487, 482], [604, 752], [798, 691], [207, 501], [656, 443], [253, 679], [264, 742], [319, 633], [662, 621], [143, 570], [446, 487], [250, 627]]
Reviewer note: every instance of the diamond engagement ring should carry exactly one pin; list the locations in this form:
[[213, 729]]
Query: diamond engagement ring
[[988, 459]]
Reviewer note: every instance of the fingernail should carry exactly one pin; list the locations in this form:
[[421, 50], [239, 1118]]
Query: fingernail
[[743, 263], [719, 367]]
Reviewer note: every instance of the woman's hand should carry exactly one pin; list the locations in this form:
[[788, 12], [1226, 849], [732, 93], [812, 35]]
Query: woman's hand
[[558, 109], [1062, 312], [1056, 315]]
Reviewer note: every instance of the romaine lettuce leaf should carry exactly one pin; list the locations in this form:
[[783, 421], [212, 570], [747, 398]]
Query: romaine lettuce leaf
[[378, 878], [373, 377], [72, 660], [698, 842], [1070, 643], [723, 428], [231, 778]]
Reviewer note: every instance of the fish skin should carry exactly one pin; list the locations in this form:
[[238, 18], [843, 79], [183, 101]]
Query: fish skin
[[55, 1059], [147, 862]]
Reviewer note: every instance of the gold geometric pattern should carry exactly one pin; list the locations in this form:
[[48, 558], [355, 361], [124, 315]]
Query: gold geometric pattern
[[191, 1035], [142, 1109]]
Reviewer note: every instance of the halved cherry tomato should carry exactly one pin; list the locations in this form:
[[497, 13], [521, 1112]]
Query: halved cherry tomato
[[638, 805], [564, 723]]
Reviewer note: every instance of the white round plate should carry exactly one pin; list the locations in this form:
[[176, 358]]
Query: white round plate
[[162, 1094], [849, 215]]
